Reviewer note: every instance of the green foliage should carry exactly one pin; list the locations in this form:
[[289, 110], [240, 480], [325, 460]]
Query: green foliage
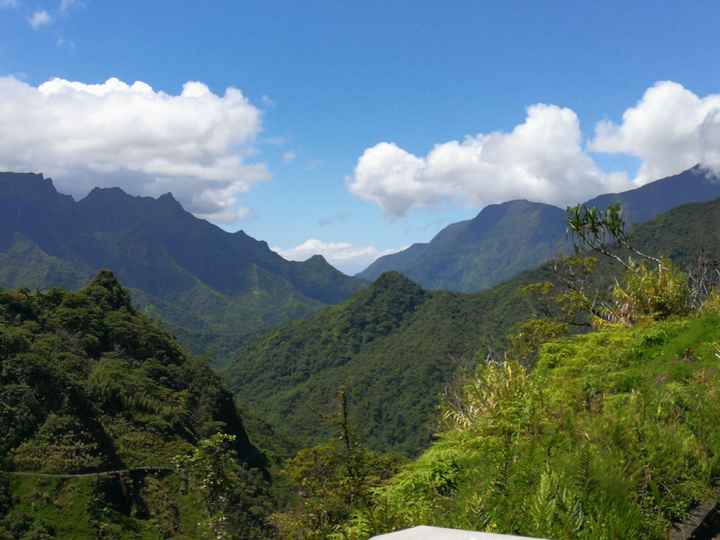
[[658, 293], [527, 338], [599, 230], [88, 385], [330, 480], [235, 504], [611, 436]]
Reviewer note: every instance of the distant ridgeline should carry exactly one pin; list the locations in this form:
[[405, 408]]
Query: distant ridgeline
[[395, 346], [107, 424], [212, 287], [506, 239]]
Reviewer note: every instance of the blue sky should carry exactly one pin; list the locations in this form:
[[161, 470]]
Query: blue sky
[[329, 81]]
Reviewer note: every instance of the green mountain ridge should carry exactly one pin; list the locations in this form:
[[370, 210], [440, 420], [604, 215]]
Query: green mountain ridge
[[395, 365], [506, 239], [214, 288]]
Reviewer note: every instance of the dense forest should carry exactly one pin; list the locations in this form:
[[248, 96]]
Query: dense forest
[[110, 430]]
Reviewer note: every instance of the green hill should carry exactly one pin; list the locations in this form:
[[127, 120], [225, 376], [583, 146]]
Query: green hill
[[395, 346], [212, 287], [97, 403], [506, 239], [612, 435]]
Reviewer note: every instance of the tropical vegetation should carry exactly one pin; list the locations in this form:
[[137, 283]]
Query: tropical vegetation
[[110, 430]]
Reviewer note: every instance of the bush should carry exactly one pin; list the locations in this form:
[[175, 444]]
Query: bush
[[650, 293]]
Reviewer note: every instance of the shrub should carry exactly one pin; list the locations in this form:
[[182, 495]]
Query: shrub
[[655, 293]]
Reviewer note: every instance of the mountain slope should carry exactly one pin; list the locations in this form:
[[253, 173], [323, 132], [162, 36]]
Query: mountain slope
[[213, 287], [88, 386], [396, 370], [393, 345], [505, 239], [608, 437]]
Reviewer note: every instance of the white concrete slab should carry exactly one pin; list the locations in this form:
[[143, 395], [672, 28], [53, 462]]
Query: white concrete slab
[[437, 533]]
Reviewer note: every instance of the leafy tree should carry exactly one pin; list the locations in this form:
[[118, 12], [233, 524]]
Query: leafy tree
[[604, 232], [235, 498], [331, 479], [574, 299]]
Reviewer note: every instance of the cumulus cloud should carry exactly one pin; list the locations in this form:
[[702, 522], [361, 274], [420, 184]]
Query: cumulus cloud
[[541, 159], [670, 129], [348, 257], [39, 19], [197, 144]]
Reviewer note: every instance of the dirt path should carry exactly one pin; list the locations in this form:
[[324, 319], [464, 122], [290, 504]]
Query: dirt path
[[101, 474]]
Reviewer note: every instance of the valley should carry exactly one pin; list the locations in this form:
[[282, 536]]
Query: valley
[[393, 350], [359, 270]]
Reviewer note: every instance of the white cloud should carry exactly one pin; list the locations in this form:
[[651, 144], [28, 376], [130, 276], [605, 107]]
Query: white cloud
[[670, 129], [289, 156], [39, 19], [544, 158], [541, 159], [196, 144], [62, 42], [345, 256], [66, 5]]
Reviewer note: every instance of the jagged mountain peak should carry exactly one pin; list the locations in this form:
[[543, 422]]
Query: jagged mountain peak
[[27, 184], [26, 177], [102, 196]]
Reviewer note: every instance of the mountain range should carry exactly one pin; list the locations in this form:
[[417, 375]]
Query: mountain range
[[505, 239], [216, 290], [213, 288]]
